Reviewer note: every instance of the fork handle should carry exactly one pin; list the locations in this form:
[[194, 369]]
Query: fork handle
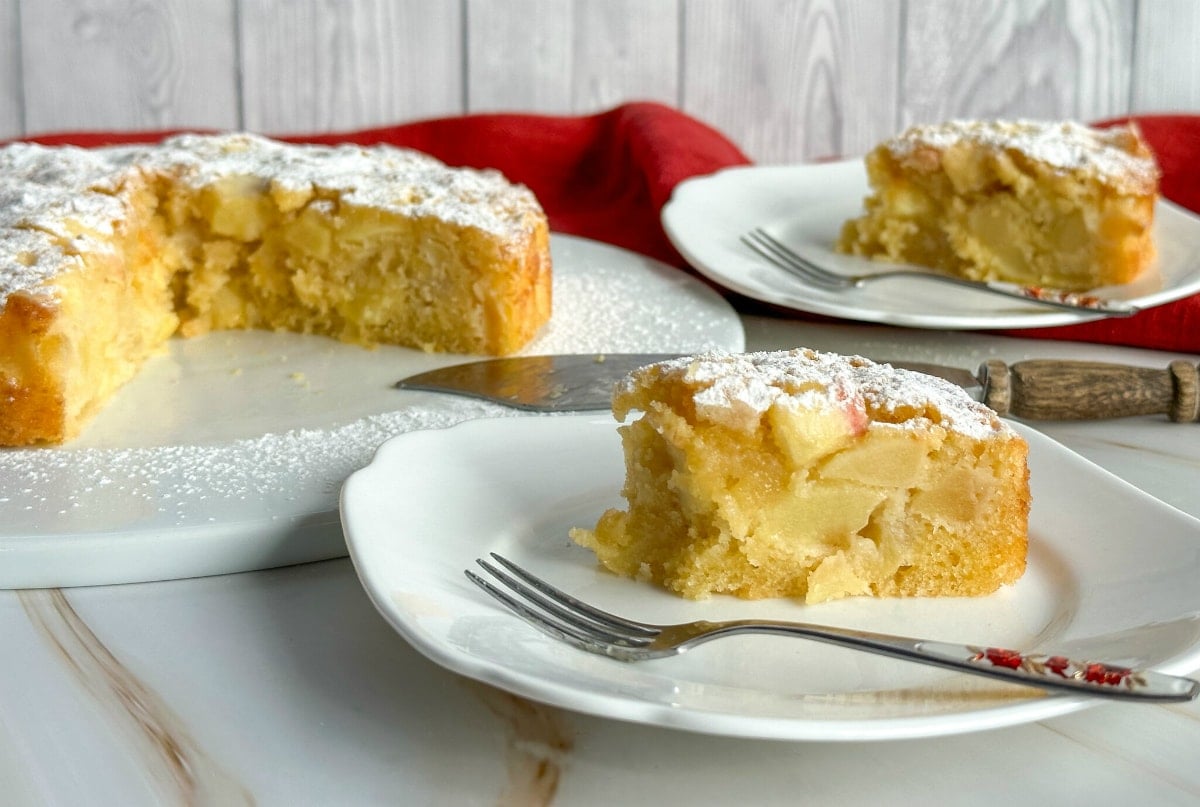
[[1060, 672], [1053, 672], [1057, 389]]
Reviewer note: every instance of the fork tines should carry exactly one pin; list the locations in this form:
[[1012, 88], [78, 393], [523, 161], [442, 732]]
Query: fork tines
[[557, 613], [778, 253]]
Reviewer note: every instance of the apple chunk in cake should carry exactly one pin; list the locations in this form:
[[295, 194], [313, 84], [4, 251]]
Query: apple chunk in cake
[[813, 476]]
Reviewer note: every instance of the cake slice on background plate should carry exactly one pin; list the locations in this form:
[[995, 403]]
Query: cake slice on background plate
[[1057, 205]]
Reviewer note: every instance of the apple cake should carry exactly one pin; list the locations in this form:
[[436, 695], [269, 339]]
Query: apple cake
[[106, 253], [813, 476], [1057, 205]]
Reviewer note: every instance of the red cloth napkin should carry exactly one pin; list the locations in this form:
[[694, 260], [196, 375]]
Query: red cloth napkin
[[607, 176]]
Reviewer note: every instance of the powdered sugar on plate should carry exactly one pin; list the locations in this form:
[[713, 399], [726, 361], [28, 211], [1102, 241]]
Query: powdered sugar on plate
[[228, 453], [199, 484]]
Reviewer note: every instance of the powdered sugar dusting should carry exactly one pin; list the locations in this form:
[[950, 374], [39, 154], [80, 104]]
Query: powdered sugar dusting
[[600, 306], [382, 177], [1115, 156], [193, 485], [740, 388], [56, 203]]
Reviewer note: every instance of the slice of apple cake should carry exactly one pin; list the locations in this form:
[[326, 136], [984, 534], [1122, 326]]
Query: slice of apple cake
[[1057, 205], [815, 476]]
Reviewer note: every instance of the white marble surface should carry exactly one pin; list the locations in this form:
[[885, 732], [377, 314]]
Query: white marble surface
[[285, 687]]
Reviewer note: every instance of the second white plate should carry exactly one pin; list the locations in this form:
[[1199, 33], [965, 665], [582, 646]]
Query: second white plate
[[1111, 577], [806, 205]]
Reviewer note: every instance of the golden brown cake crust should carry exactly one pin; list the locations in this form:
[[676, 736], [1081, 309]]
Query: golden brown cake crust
[[32, 400], [104, 253], [812, 475]]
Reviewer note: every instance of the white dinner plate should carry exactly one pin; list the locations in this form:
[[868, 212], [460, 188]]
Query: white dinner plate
[[806, 205], [227, 453], [1112, 576]]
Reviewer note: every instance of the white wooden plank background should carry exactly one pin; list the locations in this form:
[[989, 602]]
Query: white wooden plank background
[[10, 71], [325, 65], [788, 80], [984, 58], [127, 64], [1166, 65]]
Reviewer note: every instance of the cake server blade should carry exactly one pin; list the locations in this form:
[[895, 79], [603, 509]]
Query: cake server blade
[[1034, 389], [571, 382]]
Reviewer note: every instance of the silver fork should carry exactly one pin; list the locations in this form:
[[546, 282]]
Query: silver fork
[[588, 628], [778, 253]]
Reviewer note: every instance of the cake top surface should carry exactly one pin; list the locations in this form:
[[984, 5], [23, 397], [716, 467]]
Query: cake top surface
[[57, 202], [1117, 156], [737, 389]]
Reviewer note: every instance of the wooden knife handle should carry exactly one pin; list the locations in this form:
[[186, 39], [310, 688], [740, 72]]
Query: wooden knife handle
[[1051, 389]]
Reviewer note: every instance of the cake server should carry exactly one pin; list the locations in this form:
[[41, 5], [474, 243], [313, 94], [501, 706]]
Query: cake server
[[1034, 389]]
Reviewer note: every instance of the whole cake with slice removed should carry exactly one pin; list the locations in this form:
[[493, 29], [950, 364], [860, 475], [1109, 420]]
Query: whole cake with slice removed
[[1057, 205], [813, 476], [105, 253]]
